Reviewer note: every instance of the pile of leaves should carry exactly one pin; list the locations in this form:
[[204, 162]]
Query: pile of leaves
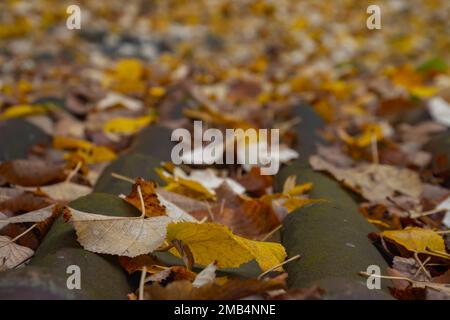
[[384, 95]]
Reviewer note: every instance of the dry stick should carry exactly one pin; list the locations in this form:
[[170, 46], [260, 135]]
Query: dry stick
[[211, 215], [364, 273], [441, 254], [142, 201], [142, 282], [123, 178], [73, 172], [421, 266], [374, 148], [443, 231], [267, 236], [278, 265], [20, 235]]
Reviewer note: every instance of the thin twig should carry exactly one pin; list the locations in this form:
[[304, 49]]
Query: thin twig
[[279, 265], [142, 282], [73, 172], [20, 235], [211, 215], [374, 145], [123, 178], [363, 273], [271, 233], [142, 201], [422, 266]]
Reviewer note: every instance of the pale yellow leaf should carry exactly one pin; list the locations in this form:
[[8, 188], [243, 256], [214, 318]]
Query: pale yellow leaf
[[210, 242]]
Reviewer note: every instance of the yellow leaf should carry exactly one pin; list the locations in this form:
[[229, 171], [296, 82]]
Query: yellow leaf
[[157, 92], [125, 125], [219, 118], [22, 110], [325, 110], [416, 239], [186, 187], [292, 204], [370, 131], [423, 92], [127, 77], [87, 151], [65, 143], [130, 69], [412, 81], [210, 242], [300, 189]]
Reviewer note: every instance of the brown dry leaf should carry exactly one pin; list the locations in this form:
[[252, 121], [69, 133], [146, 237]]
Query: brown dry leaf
[[313, 293], [231, 289], [9, 193], [12, 254], [255, 183], [188, 204], [122, 236], [375, 182], [251, 219], [175, 273], [153, 207], [443, 278], [334, 155], [132, 265], [24, 202], [33, 216], [31, 172]]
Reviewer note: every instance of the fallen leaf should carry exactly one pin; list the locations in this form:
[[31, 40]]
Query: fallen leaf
[[127, 126], [230, 290], [210, 242], [121, 236], [24, 202], [22, 111], [33, 216], [31, 172], [206, 276], [209, 179], [91, 153], [152, 205], [186, 187], [65, 191], [113, 99], [313, 293], [137, 263], [439, 110], [445, 206], [416, 239], [375, 182], [12, 254]]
